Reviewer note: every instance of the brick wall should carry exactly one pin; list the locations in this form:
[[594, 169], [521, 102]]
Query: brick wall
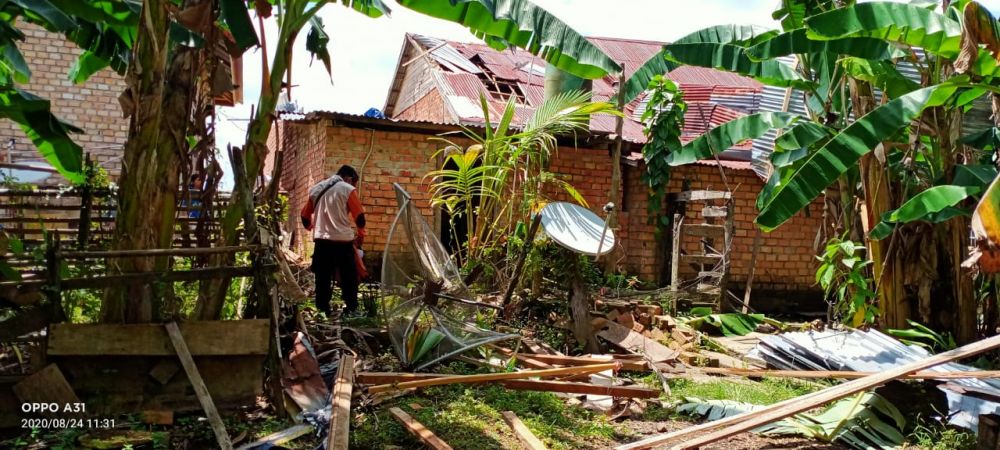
[[430, 107], [786, 261], [92, 106]]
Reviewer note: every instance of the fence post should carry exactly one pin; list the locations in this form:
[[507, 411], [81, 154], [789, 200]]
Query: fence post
[[53, 288], [86, 204]]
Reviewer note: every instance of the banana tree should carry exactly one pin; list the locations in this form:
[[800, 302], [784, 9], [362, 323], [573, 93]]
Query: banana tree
[[501, 23], [868, 127]]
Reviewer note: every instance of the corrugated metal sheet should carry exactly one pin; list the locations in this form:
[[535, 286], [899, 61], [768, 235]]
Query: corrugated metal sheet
[[445, 54], [465, 85], [691, 75], [870, 351]]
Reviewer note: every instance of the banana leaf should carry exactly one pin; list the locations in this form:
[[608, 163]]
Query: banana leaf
[[823, 167], [722, 137], [927, 205], [523, 24], [733, 58], [729, 324], [896, 22], [797, 42]]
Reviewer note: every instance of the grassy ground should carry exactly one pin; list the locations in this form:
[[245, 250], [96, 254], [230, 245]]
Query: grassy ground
[[469, 417]]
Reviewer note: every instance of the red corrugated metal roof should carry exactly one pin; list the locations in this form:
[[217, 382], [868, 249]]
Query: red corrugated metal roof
[[691, 75]]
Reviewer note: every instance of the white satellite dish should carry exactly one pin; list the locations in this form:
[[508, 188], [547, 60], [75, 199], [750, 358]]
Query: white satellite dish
[[577, 228]]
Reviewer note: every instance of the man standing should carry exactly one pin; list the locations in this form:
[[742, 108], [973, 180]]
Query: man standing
[[333, 204]]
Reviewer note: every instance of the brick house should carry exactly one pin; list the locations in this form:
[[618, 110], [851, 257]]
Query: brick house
[[437, 87], [91, 106]]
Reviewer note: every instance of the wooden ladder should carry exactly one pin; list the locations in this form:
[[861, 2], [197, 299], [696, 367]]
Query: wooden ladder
[[715, 232]]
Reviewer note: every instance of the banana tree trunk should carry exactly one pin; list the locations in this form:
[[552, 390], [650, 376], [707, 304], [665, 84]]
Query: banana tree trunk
[[152, 161]]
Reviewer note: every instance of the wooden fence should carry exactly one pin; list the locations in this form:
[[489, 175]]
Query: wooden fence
[[84, 220]]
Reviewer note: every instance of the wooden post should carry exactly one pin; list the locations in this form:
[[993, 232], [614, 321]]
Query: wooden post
[[204, 397], [580, 304], [86, 204], [989, 432], [753, 266], [527, 438], [519, 265], [340, 404], [675, 261], [53, 280], [419, 430]]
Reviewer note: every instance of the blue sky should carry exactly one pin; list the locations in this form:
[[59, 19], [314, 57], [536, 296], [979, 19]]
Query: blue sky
[[364, 51]]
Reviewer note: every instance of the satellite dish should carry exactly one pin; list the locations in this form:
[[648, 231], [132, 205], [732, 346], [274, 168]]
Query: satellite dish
[[577, 228]]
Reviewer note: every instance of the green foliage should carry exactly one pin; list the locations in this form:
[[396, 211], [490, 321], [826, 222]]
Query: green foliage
[[844, 278], [896, 22], [469, 417], [934, 204], [765, 392], [940, 436], [729, 324], [733, 58], [925, 337], [722, 137], [502, 179], [664, 120]]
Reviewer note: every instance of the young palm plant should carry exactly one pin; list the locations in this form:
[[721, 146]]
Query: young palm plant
[[499, 180]]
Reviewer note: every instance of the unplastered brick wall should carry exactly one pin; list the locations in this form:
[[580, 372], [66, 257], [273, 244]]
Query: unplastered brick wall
[[314, 150], [91, 106], [786, 260]]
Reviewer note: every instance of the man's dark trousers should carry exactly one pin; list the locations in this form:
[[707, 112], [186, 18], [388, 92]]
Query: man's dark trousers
[[331, 257]]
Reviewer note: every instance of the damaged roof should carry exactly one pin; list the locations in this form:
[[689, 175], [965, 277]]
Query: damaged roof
[[464, 71]]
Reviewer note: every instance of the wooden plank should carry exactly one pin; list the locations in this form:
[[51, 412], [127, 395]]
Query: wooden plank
[[748, 421], [157, 417], [219, 428], [527, 438], [340, 399], [694, 196], [46, 386], [634, 342], [562, 360], [521, 385], [281, 437], [205, 338], [988, 437], [419, 430], [923, 375], [160, 252], [705, 230], [709, 212], [481, 378]]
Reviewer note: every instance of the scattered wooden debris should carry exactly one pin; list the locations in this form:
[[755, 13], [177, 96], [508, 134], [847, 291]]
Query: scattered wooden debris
[[46, 386], [526, 385], [527, 438], [301, 377], [180, 346], [419, 430], [634, 342], [724, 428], [281, 437], [340, 400], [437, 381], [923, 375]]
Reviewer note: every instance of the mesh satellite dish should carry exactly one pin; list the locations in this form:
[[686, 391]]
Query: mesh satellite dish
[[577, 228]]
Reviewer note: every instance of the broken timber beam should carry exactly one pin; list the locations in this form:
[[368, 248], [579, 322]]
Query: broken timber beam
[[562, 360], [578, 370], [922, 375], [281, 437], [180, 346], [521, 385], [419, 430], [724, 428], [340, 409], [527, 438]]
